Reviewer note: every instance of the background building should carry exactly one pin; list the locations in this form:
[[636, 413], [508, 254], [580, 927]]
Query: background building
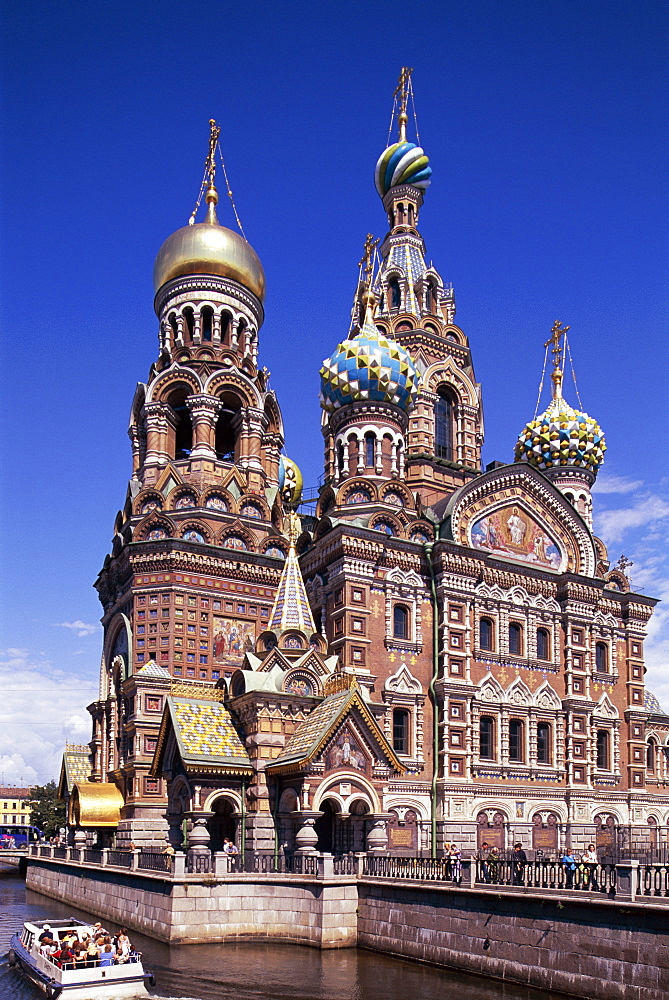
[[440, 652]]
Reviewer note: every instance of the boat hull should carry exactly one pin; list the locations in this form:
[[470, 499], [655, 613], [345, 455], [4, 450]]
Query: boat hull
[[116, 982]]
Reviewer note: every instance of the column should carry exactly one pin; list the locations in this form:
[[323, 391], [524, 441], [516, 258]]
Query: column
[[204, 411]]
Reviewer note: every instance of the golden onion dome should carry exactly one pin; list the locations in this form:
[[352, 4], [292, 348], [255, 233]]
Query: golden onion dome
[[209, 248]]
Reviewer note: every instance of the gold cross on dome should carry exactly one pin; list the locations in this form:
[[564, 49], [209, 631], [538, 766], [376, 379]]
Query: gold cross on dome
[[402, 91], [623, 563], [558, 332], [368, 253], [210, 162]]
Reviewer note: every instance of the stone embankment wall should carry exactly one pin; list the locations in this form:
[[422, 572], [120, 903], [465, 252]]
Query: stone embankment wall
[[595, 950], [281, 908], [599, 949]]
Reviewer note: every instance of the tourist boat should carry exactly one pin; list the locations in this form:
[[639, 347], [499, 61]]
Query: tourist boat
[[112, 982]]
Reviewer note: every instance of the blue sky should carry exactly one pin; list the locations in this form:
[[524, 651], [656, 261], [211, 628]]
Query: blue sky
[[545, 123]]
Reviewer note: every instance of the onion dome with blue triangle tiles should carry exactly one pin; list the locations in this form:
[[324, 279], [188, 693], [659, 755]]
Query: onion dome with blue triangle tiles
[[370, 367], [562, 436]]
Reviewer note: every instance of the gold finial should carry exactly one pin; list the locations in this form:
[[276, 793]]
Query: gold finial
[[368, 298], [294, 528], [558, 331], [210, 162], [368, 254], [402, 91], [210, 170]]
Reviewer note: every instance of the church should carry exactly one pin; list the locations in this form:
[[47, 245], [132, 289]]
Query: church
[[442, 652]]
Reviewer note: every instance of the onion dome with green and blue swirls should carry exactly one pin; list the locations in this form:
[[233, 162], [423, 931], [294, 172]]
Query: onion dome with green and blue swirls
[[402, 163], [370, 367]]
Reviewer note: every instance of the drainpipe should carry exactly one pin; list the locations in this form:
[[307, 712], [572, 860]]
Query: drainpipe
[[429, 546], [242, 839], [275, 816]]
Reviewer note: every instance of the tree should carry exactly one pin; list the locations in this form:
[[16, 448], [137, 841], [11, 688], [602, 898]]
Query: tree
[[48, 811]]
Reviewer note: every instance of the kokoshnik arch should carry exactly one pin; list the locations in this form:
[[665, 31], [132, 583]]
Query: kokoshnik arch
[[442, 652]]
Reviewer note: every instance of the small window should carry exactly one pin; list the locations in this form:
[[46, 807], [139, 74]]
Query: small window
[[543, 743], [485, 633], [486, 737], [603, 755], [401, 730], [515, 639], [650, 755], [601, 658], [395, 296], [516, 748], [400, 622], [369, 450], [543, 644]]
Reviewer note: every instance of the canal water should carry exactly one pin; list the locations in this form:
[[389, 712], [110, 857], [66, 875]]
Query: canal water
[[256, 971]]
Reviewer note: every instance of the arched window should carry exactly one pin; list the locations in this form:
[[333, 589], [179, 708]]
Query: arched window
[[543, 644], [207, 323], [370, 442], [603, 753], [400, 622], [601, 658], [190, 322], [485, 633], [651, 747], [443, 425], [401, 730], [515, 639], [395, 294], [225, 436], [183, 430], [516, 741], [487, 738], [340, 457], [543, 743]]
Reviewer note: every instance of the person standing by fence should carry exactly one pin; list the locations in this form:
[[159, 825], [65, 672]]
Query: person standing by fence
[[518, 862]]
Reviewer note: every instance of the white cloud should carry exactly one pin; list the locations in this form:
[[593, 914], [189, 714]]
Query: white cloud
[[42, 708], [615, 484], [81, 628], [613, 524]]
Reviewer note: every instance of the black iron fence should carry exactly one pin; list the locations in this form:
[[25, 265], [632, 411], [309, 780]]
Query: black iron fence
[[547, 875]]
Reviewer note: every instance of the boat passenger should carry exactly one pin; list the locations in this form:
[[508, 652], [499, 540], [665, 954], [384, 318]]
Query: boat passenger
[[46, 933], [123, 946], [64, 957], [92, 953], [107, 954]]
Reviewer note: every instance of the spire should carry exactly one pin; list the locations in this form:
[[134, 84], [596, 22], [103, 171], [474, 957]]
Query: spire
[[291, 608], [558, 331]]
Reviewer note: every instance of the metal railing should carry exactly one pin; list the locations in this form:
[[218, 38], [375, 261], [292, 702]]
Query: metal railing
[[630, 879], [424, 869], [547, 875], [122, 859], [653, 880], [153, 861]]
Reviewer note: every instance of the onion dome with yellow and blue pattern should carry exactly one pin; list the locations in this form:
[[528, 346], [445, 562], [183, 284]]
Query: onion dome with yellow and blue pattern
[[370, 367], [562, 436], [402, 163]]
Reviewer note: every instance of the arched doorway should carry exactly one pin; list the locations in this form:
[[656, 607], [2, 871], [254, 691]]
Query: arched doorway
[[221, 824], [325, 826]]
